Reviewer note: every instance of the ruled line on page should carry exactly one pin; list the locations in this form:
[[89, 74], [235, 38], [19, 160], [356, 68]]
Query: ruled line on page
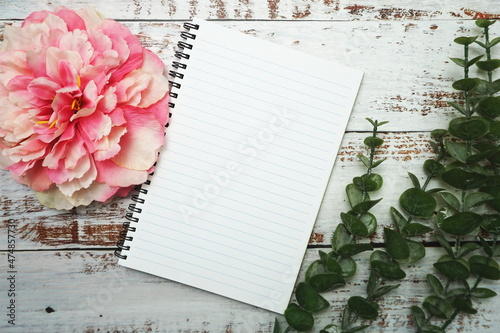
[[275, 64]]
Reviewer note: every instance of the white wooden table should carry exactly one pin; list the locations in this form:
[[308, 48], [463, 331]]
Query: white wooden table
[[67, 279]]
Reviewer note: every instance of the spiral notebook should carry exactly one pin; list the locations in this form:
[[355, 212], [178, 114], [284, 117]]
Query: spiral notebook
[[254, 133]]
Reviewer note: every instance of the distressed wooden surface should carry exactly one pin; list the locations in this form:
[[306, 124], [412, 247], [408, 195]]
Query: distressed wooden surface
[[268, 9], [85, 291], [68, 279]]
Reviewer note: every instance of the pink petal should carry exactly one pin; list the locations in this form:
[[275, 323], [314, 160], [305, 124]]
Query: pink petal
[[72, 19], [43, 88], [114, 175], [37, 62], [70, 62], [78, 41], [108, 146], [96, 191], [53, 198], [36, 177], [161, 110], [117, 117], [35, 17], [67, 74], [108, 105], [83, 181], [12, 64], [91, 17], [95, 126], [140, 144]]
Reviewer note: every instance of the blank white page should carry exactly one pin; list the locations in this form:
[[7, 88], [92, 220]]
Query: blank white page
[[249, 151]]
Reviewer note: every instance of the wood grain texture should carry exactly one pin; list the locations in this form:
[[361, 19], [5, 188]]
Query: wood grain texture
[[68, 279], [85, 291], [345, 10]]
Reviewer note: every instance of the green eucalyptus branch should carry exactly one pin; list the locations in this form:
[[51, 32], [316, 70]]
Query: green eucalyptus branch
[[332, 269], [469, 156]]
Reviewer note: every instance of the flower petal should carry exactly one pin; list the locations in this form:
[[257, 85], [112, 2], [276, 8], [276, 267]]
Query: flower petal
[[43, 88], [141, 143], [114, 175]]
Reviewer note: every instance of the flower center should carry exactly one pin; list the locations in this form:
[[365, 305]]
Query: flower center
[[76, 105]]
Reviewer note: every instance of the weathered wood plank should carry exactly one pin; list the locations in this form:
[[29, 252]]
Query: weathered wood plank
[[408, 73], [99, 225], [66, 291], [267, 10]]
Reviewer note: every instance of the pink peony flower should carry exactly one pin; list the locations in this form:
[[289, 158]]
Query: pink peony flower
[[82, 107]]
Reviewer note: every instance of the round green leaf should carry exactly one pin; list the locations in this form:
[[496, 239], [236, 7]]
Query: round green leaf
[[488, 65], [480, 156], [354, 195], [327, 281], [398, 219], [363, 308], [438, 133], [455, 269], [368, 183], [467, 248], [415, 229], [477, 198], [348, 266], [418, 316], [433, 167], [396, 245], [370, 221], [417, 252], [457, 150], [299, 319], [438, 307], [349, 250], [309, 299], [465, 40], [463, 179], [373, 142], [462, 223], [469, 129], [381, 256], [466, 84], [483, 23], [364, 206], [332, 265], [485, 267], [341, 237], [483, 293], [315, 268], [436, 285], [451, 200], [491, 223], [489, 107], [443, 241], [464, 305], [354, 225], [388, 271], [417, 202]]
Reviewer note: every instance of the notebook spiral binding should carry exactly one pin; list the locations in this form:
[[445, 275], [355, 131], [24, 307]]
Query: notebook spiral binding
[[134, 208], [182, 55]]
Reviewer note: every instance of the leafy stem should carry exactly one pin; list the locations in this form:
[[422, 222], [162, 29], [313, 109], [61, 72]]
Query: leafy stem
[[472, 157], [333, 268]]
